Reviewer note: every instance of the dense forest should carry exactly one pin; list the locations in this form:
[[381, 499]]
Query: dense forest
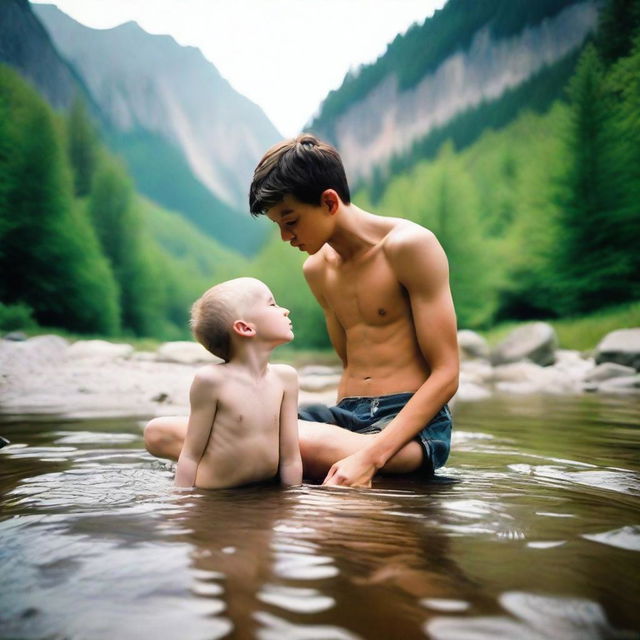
[[539, 214]]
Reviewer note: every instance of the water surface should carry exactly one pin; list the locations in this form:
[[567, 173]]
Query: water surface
[[531, 532]]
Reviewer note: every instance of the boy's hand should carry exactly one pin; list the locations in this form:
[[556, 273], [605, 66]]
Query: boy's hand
[[356, 470]]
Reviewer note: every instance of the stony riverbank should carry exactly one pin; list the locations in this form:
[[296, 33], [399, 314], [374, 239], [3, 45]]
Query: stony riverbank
[[48, 374]]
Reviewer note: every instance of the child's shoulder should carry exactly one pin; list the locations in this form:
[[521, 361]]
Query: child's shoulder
[[209, 375], [286, 373]]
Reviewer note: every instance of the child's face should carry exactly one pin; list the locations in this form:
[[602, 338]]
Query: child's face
[[302, 225], [270, 320]]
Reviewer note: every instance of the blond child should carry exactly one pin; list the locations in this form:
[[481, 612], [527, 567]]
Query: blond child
[[243, 425]]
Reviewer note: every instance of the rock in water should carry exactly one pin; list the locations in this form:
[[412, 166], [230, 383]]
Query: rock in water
[[536, 341], [621, 346]]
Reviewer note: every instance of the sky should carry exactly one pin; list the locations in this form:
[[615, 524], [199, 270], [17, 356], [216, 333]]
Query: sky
[[284, 55]]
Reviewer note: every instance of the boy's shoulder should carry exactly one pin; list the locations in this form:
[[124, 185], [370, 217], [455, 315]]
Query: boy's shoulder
[[407, 233], [286, 373], [209, 375]]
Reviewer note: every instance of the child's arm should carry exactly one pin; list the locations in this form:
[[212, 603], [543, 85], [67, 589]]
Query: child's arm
[[290, 460], [203, 410]]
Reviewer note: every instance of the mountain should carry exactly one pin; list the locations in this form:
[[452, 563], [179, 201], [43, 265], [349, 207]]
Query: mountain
[[465, 60], [26, 46], [149, 84]]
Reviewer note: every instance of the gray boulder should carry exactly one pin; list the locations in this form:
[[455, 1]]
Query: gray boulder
[[476, 371], [184, 352], [472, 345], [98, 350], [470, 391], [536, 341], [626, 384], [607, 371], [621, 346], [16, 336]]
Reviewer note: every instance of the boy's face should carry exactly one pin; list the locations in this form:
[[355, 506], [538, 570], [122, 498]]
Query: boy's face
[[305, 226], [270, 320]]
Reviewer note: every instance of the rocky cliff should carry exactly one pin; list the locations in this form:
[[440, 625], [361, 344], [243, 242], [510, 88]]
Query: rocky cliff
[[149, 83], [26, 46], [389, 119]]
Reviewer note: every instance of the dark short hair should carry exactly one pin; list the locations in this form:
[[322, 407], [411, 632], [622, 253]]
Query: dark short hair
[[304, 167]]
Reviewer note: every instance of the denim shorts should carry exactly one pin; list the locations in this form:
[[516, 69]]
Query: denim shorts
[[372, 415]]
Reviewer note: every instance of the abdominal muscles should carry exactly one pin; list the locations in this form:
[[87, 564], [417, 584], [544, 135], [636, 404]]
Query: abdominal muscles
[[383, 360]]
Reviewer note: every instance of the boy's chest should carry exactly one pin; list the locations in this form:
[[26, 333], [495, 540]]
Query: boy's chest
[[365, 292], [255, 407]]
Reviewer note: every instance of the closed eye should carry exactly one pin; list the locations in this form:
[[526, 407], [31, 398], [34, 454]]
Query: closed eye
[[290, 223]]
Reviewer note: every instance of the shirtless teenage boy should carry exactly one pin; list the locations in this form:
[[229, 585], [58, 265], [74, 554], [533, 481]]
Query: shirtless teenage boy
[[383, 284], [229, 441]]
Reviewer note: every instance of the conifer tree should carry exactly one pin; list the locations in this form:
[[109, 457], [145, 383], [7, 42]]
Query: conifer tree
[[49, 255], [82, 144], [119, 228], [441, 197], [590, 271]]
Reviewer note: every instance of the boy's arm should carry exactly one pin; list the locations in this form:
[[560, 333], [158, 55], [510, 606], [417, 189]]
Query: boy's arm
[[421, 266], [203, 410], [312, 270], [290, 466]]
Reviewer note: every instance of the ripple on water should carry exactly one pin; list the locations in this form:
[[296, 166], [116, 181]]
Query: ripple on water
[[536, 618], [298, 566], [624, 538], [295, 599], [445, 605], [275, 628], [621, 481]]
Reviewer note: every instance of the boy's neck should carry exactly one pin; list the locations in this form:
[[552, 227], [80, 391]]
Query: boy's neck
[[355, 232], [252, 358]]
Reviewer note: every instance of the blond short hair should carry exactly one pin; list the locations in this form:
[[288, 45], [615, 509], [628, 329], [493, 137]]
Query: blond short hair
[[213, 315]]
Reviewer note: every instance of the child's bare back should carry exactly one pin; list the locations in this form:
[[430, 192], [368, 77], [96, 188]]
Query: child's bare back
[[243, 424]]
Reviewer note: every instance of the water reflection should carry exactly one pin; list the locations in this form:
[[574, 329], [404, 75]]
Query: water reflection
[[320, 558], [537, 537]]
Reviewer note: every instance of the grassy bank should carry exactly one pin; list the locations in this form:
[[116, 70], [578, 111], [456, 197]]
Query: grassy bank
[[581, 333]]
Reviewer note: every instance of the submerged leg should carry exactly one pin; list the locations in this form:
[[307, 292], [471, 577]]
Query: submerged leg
[[164, 437]]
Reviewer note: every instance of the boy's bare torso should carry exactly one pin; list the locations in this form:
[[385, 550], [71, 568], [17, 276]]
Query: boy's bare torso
[[243, 446], [380, 347]]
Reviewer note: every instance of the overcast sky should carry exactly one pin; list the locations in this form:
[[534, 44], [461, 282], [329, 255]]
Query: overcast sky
[[285, 55]]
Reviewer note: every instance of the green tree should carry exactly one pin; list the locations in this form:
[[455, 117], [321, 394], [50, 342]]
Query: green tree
[[49, 256], [591, 270], [623, 85], [442, 197], [119, 227], [82, 145], [619, 23]]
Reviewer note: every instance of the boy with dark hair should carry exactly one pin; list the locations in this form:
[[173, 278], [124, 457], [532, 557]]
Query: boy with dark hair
[[383, 284]]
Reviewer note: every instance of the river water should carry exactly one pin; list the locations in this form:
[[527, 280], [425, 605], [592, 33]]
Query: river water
[[532, 531]]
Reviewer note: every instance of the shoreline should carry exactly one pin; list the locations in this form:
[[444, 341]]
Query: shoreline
[[94, 378]]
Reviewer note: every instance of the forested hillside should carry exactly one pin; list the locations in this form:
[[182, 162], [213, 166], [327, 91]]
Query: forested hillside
[[471, 66], [538, 212], [540, 218], [81, 251]]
